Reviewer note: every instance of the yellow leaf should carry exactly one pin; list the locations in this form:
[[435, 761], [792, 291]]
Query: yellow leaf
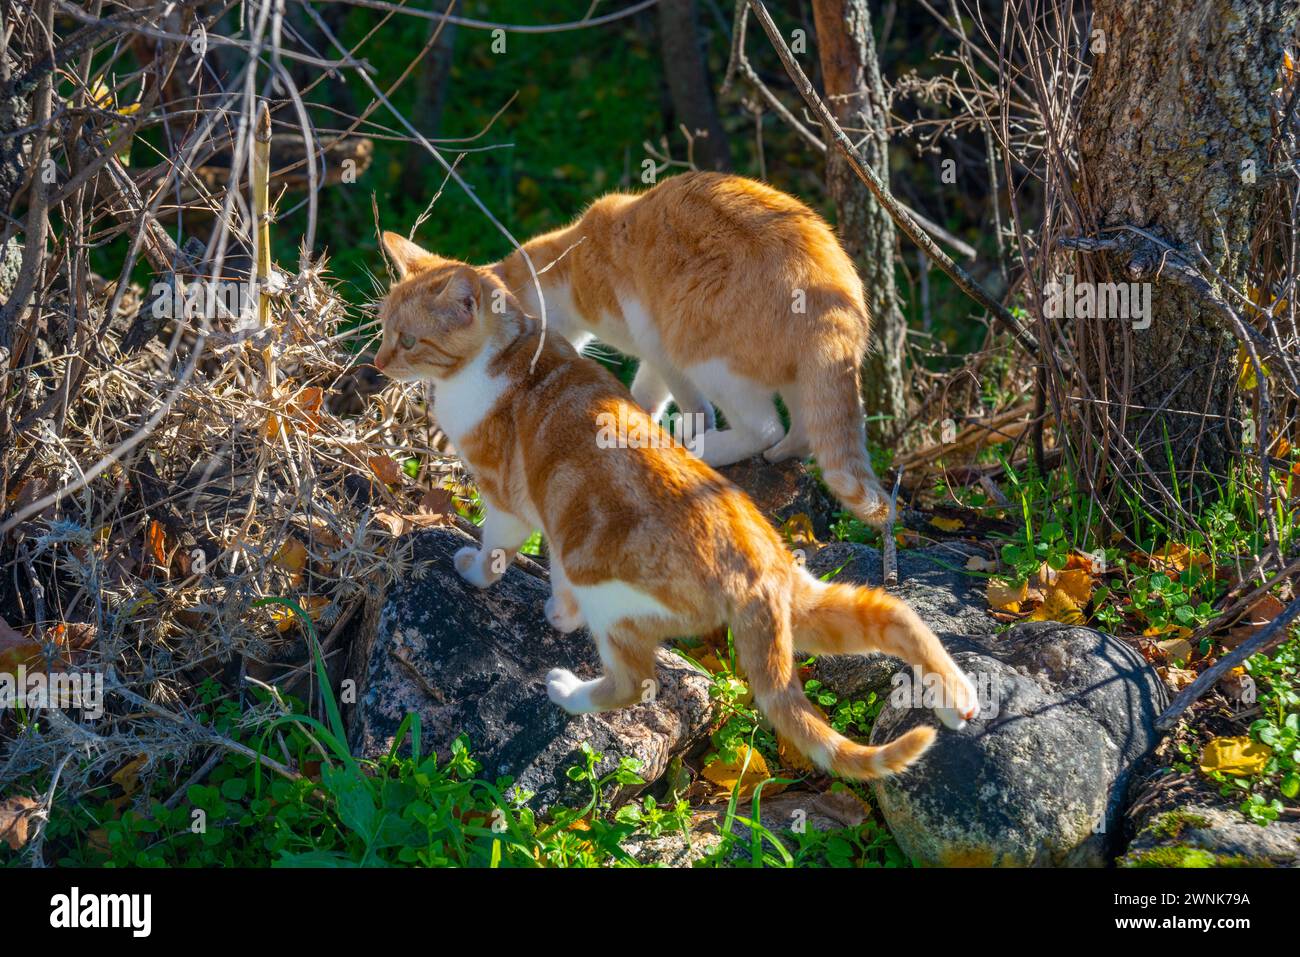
[[1175, 558], [710, 662], [947, 524], [1246, 378], [1058, 606], [285, 618], [1236, 757], [1005, 597], [727, 774], [792, 757], [1176, 678], [292, 557], [1076, 583], [798, 530]]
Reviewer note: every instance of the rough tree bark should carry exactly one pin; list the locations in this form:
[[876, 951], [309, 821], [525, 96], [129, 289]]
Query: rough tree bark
[[688, 83], [856, 96], [1176, 109]]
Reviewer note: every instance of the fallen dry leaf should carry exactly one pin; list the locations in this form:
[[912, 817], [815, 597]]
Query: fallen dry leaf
[[156, 541], [1240, 756], [798, 531], [285, 618], [1174, 558], [1175, 649], [387, 469], [978, 563], [1003, 596], [947, 524], [726, 775], [1256, 617], [15, 648], [399, 523], [1076, 583], [1177, 678], [1058, 605], [292, 557], [906, 537], [15, 815], [792, 757]]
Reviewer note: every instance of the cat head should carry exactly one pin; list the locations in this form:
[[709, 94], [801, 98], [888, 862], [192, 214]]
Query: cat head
[[432, 317]]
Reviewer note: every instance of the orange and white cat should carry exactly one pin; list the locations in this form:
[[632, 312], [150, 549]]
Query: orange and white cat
[[729, 292], [647, 542]]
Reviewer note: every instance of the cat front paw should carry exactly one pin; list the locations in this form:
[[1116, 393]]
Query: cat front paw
[[469, 566], [563, 613], [964, 701], [565, 688]]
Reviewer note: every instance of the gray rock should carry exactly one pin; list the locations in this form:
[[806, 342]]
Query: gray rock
[[1209, 834], [1038, 779], [932, 580], [474, 662], [784, 490]]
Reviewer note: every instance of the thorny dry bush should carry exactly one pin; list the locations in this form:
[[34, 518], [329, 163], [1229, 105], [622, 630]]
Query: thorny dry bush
[[171, 452]]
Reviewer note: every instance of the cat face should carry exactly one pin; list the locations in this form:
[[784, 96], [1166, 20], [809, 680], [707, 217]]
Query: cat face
[[431, 317]]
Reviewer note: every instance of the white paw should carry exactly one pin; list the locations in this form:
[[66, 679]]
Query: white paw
[[966, 705], [470, 568], [564, 688], [564, 616]]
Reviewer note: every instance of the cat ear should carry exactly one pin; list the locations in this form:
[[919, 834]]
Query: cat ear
[[406, 256], [461, 295]]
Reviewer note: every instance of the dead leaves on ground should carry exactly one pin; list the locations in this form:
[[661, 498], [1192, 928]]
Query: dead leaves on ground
[[25, 647], [436, 507], [294, 412], [1053, 595], [743, 775], [16, 815]]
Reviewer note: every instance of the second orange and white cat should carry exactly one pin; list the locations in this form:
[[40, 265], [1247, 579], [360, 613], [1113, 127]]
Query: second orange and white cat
[[729, 292], [646, 541]]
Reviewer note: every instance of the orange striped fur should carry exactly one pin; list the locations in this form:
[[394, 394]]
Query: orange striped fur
[[647, 542], [729, 292]]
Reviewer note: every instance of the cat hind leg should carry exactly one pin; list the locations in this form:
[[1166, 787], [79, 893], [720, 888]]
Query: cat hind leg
[[754, 425]]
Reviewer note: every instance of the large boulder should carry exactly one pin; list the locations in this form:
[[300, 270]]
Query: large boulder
[[474, 662], [1038, 779]]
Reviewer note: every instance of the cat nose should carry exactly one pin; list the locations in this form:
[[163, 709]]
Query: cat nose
[[380, 362]]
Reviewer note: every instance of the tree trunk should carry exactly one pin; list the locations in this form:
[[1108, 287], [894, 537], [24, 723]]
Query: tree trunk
[[688, 84], [1176, 111], [856, 96]]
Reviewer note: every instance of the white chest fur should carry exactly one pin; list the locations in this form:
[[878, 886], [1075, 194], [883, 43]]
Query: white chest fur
[[462, 401]]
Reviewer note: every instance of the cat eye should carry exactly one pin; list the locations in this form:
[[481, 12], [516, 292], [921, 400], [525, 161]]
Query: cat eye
[[406, 340]]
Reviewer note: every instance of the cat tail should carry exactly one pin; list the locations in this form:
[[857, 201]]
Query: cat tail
[[764, 640], [830, 405]]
